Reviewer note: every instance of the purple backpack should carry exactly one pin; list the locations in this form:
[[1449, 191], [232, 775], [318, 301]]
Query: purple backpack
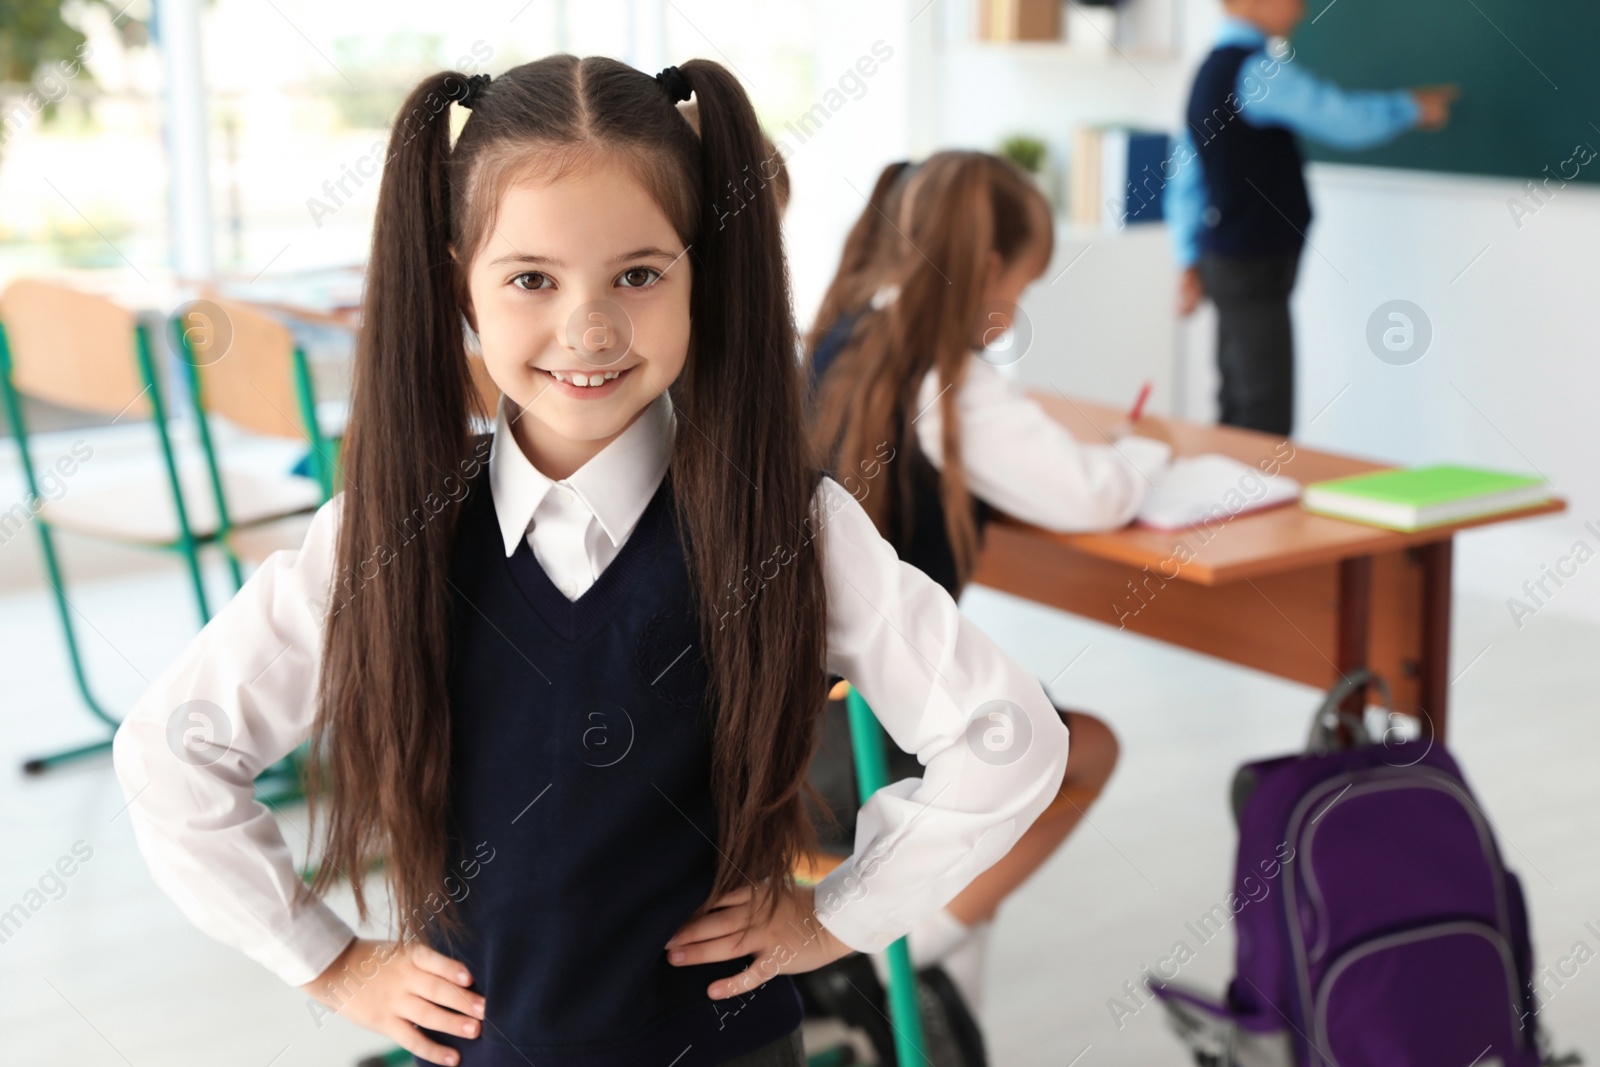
[[1375, 923]]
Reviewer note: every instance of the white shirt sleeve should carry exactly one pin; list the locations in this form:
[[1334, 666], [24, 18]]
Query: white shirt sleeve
[[1020, 460], [239, 698], [246, 686], [993, 745]]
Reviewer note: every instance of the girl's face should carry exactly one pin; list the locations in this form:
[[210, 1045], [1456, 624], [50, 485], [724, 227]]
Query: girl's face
[[580, 298], [1276, 18]]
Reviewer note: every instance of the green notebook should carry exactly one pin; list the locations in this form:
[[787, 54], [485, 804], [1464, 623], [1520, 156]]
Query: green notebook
[[1425, 496]]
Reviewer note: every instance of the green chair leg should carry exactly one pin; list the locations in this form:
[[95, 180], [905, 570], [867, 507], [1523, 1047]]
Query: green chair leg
[[52, 567], [180, 343], [833, 1057], [872, 774], [186, 545]]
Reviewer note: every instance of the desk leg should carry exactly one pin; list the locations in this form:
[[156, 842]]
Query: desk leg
[[1433, 689], [1355, 623], [1356, 618]]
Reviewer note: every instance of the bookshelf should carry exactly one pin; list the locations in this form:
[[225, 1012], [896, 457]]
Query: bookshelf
[[1102, 314], [1060, 52]]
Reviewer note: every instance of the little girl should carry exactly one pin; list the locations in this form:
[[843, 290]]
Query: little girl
[[930, 276], [565, 679]]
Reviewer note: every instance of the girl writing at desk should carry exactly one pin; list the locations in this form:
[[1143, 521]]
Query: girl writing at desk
[[930, 275]]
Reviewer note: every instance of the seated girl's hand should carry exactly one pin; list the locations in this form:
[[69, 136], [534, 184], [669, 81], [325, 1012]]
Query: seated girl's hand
[[1148, 426], [392, 989], [792, 941]]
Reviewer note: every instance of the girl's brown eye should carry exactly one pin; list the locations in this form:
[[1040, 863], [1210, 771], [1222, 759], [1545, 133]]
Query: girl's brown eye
[[535, 280], [638, 277]]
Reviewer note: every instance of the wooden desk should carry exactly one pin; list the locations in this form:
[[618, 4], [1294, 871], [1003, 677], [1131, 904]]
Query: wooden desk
[[1284, 591]]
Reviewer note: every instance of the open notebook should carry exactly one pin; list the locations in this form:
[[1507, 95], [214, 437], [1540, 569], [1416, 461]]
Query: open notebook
[[1210, 488]]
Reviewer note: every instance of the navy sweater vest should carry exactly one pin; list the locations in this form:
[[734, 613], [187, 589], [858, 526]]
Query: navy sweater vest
[[916, 519], [1256, 200], [582, 821]]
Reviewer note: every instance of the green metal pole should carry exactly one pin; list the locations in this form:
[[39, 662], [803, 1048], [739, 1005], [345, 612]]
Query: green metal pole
[[158, 415], [203, 430], [872, 774], [19, 433], [306, 395]]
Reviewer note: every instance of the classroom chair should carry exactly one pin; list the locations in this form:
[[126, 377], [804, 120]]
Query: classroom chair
[[872, 774], [244, 365], [89, 354]]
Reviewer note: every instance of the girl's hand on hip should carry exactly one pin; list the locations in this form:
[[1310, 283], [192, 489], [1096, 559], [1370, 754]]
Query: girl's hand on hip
[[392, 989], [792, 941]]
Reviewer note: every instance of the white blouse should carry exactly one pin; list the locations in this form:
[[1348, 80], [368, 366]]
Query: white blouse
[[1022, 461], [242, 695]]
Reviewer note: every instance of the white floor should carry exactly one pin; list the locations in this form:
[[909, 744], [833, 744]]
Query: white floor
[[108, 972]]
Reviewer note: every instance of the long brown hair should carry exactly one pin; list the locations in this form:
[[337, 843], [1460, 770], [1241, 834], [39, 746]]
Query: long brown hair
[[739, 470], [930, 230]]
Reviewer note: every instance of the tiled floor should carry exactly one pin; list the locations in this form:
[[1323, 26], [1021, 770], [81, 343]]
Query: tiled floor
[[104, 969]]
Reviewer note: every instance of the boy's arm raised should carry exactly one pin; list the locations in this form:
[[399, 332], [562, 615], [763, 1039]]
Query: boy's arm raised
[[1293, 97]]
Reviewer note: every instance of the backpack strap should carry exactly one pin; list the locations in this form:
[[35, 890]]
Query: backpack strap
[[1325, 723]]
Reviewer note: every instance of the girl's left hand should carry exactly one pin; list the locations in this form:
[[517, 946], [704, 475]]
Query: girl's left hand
[[792, 941]]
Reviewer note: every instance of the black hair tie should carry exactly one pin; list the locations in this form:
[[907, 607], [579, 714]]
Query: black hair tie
[[674, 84], [471, 91]]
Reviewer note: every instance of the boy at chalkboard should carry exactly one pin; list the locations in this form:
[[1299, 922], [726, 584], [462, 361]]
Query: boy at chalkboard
[[1237, 204]]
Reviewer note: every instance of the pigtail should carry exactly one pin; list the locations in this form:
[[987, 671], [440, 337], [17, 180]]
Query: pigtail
[[952, 283], [929, 231], [746, 493], [381, 736], [859, 397]]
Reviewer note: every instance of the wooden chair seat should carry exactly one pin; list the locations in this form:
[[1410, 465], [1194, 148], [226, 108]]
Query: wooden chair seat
[[138, 509]]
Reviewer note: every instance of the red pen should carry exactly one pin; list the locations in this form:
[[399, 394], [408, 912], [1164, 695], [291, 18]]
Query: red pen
[[1138, 404]]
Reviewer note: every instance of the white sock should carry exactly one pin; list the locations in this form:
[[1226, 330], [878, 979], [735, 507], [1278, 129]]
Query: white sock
[[931, 941], [964, 965], [933, 938]]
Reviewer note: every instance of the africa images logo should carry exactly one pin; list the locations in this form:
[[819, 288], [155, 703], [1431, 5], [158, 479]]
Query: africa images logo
[[1399, 332]]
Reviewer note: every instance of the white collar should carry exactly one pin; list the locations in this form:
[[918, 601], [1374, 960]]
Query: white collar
[[616, 483]]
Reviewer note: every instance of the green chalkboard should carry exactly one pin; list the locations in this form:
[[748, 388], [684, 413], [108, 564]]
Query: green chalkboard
[[1529, 72]]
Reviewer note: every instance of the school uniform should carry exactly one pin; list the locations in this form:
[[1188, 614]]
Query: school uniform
[[580, 755], [1018, 461], [1238, 209]]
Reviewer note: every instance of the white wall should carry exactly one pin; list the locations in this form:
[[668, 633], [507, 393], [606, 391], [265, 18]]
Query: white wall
[[1512, 377], [834, 163]]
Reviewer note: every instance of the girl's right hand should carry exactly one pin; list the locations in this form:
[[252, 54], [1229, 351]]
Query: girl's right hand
[[392, 989]]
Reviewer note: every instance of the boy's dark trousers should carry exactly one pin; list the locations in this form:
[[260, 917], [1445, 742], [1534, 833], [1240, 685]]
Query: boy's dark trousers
[[1255, 339]]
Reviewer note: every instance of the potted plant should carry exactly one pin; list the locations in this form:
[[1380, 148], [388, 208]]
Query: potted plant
[[1032, 154]]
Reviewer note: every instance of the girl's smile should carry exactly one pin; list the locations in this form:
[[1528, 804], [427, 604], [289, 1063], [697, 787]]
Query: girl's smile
[[586, 384]]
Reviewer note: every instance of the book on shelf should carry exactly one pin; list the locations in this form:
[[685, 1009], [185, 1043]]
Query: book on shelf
[[1116, 176], [1019, 20]]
